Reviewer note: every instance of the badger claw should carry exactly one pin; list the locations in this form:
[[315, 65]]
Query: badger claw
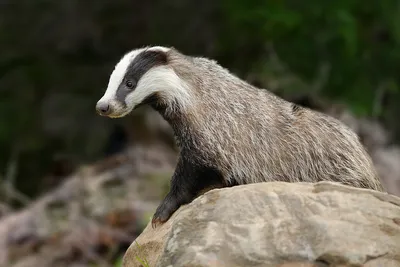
[[156, 222], [161, 216], [165, 210]]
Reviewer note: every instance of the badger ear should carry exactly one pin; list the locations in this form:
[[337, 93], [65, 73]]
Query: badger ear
[[161, 56], [151, 58]]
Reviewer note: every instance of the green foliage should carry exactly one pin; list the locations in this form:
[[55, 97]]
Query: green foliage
[[118, 263], [359, 41], [142, 261]]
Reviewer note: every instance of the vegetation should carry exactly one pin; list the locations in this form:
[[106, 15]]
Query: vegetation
[[354, 44], [57, 56], [139, 258]]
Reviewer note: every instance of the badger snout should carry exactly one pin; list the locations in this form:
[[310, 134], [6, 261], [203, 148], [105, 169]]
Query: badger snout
[[103, 108]]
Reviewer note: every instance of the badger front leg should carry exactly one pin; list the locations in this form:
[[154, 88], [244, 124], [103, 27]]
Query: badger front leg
[[188, 181]]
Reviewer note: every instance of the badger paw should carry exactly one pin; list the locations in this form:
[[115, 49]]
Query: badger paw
[[159, 218], [156, 222], [165, 211]]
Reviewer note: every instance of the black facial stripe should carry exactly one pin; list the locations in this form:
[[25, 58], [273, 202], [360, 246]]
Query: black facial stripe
[[137, 68]]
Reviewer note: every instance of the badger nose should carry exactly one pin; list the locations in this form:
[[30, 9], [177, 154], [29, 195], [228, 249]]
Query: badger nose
[[103, 108]]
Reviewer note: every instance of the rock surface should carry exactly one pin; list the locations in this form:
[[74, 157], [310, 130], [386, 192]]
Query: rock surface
[[276, 224]]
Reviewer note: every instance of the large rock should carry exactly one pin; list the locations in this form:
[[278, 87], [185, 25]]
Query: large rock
[[276, 224]]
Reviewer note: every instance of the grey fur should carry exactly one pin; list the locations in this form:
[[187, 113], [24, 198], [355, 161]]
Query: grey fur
[[251, 135], [230, 132]]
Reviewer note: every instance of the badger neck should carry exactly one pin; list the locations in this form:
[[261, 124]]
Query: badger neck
[[184, 111], [179, 120]]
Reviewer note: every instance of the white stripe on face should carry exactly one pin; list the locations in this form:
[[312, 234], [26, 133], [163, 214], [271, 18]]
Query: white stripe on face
[[156, 79], [118, 74], [122, 66], [164, 81]]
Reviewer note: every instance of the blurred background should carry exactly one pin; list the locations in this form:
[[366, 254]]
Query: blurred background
[[76, 188]]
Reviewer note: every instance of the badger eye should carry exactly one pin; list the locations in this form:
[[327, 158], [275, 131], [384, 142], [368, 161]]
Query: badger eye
[[129, 84]]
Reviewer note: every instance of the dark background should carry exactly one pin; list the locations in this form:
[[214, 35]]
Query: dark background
[[56, 58]]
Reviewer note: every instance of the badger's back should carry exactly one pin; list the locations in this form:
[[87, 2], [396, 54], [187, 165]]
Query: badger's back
[[251, 135]]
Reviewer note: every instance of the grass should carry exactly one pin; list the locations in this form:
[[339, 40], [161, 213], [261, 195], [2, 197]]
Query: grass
[[143, 262], [118, 263]]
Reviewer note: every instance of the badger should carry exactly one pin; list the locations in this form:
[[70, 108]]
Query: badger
[[230, 132]]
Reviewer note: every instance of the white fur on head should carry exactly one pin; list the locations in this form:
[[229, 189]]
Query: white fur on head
[[161, 79], [115, 80]]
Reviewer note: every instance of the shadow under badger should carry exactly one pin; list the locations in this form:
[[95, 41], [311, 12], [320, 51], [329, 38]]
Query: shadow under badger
[[230, 132]]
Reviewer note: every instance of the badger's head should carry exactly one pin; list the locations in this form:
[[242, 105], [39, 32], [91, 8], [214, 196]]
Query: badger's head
[[142, 75]]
